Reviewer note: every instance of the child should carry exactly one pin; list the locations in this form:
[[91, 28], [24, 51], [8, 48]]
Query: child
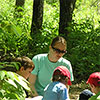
[[25, 65], [57, 89], [94, 83], [85, 95]]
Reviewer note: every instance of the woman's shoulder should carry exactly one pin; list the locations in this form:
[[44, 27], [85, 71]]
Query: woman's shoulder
[[63, 60], [40, 56]]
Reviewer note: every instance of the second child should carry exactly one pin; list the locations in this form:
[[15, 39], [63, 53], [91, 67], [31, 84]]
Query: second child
[[57, 89], [94, 83]]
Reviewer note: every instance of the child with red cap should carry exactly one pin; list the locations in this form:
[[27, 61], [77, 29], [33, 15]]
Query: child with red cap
[[94, 83], [57, 89]]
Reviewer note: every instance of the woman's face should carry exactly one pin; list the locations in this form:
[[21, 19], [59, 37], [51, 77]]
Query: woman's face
[[58, 50]]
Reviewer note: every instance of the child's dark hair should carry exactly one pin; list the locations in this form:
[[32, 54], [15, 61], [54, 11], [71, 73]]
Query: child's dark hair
[[25, 62], [58, 77]]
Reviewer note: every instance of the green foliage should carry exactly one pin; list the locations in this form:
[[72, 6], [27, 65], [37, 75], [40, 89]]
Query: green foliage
[[15, 37], [84, 39], [84, 42], [51, 19], [12, 40], [11, 86], [51, 1], [10, 66]]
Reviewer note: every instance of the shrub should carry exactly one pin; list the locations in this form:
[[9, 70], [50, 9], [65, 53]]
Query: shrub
[[83, 48]]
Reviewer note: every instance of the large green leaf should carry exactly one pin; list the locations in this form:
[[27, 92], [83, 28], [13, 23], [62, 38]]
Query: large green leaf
[[11, 82], [23, 82], [16, 64], [2, 74], [10, 75]]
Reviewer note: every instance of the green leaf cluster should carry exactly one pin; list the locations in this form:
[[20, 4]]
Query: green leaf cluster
[[84, 40], [12, 86]]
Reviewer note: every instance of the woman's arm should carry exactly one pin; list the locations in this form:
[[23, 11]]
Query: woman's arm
[[32, 80]]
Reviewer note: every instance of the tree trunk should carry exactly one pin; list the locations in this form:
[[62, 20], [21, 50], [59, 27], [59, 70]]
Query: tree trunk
[[19, 7], [37, 18], [19, 3], [66, 11]]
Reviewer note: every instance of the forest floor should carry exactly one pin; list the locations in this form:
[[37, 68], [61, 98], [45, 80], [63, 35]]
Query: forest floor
[[76, 89]]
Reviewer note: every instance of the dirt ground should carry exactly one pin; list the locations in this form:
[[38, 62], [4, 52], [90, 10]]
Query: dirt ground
[[76, 89]]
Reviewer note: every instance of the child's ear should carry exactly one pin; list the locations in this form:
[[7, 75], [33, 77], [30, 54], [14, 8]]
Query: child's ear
[[22, 68]]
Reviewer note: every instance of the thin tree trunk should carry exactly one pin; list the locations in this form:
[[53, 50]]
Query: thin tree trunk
[[19, 7], [19, 3], [66, 11], [37, 18]]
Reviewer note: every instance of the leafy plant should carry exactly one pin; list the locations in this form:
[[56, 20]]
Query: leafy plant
[[11, 86], [83, 48], [83, 40]]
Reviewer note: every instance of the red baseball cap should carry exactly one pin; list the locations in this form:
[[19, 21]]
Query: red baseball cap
[[63, 71], [94, 79]]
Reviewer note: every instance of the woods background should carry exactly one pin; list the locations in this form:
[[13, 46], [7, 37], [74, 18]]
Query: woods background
[[27, 28]]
